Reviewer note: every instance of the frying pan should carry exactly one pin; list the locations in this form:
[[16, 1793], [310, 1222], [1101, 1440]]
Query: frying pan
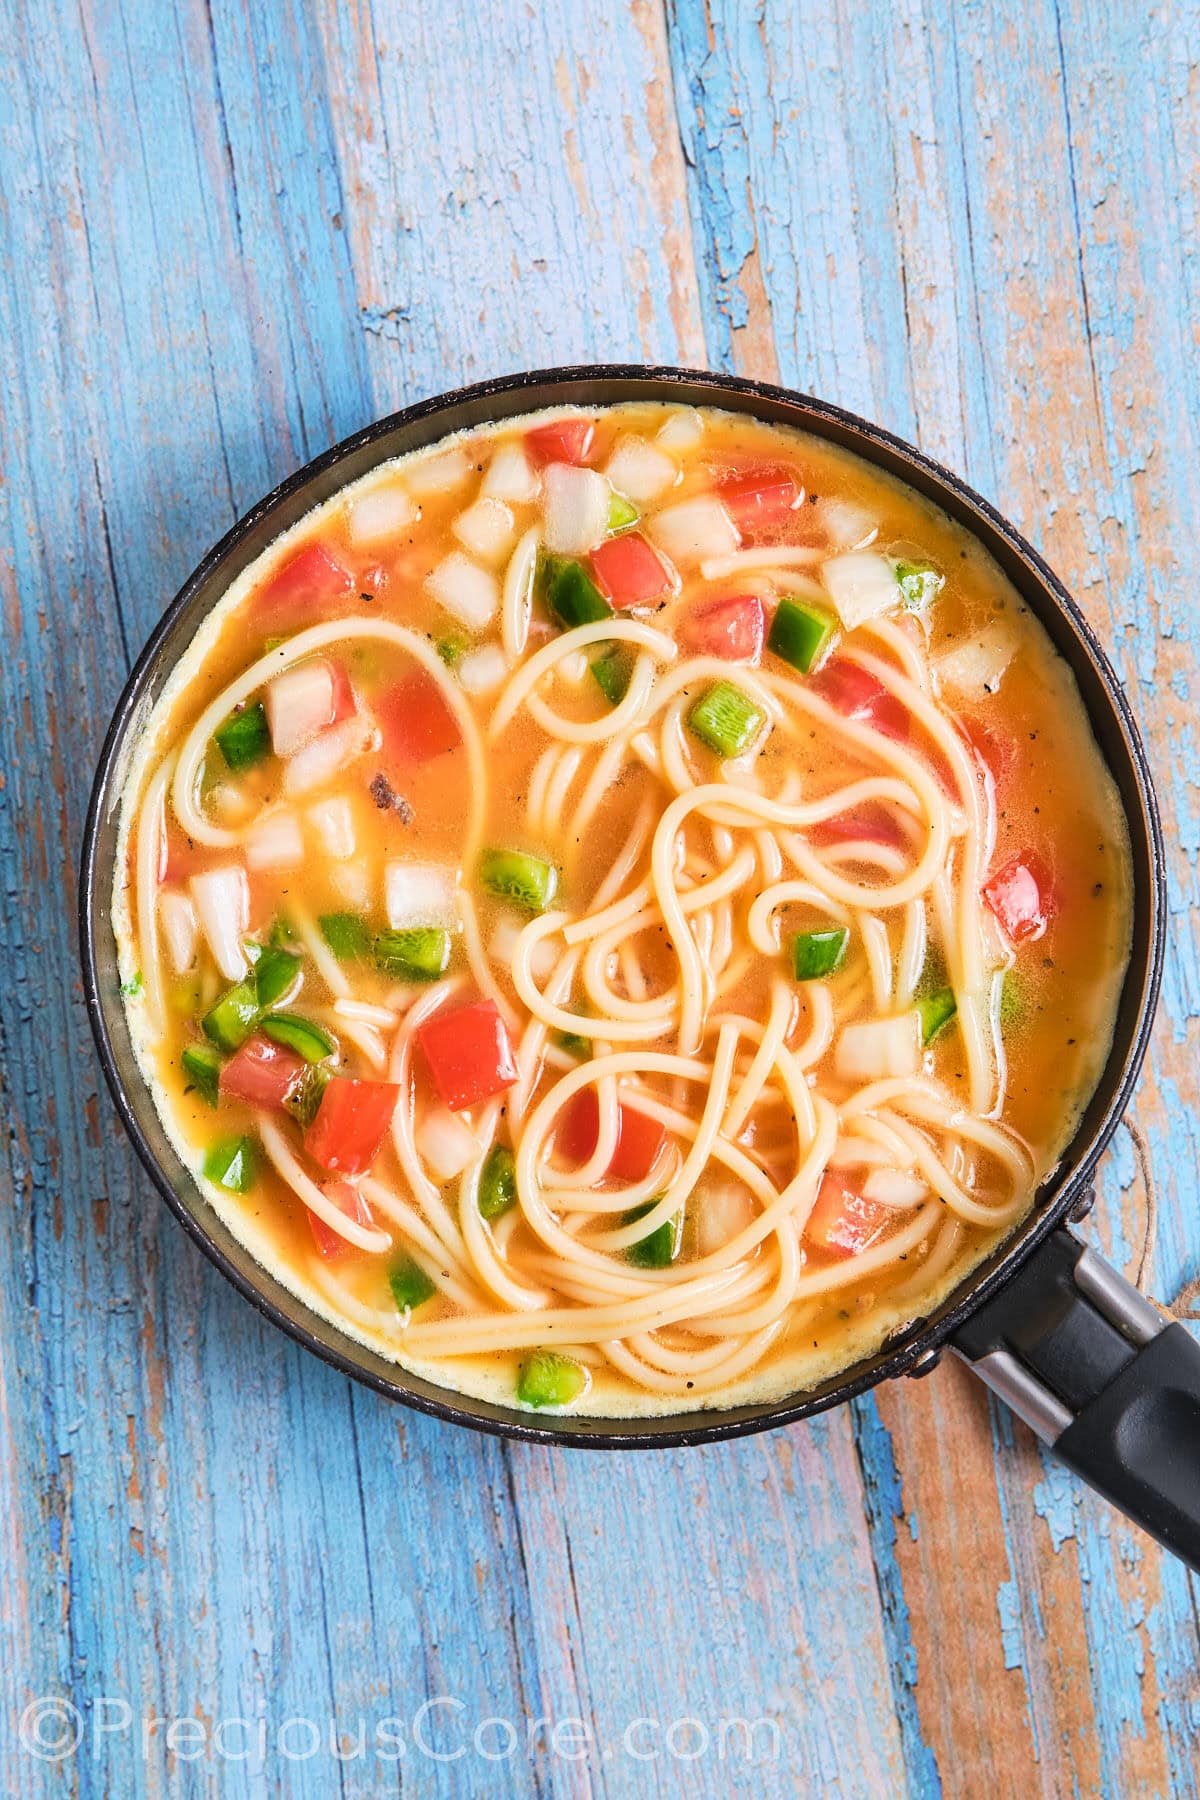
[[1075, 1351]]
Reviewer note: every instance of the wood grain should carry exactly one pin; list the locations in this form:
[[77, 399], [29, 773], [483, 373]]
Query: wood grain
[[231, 236]]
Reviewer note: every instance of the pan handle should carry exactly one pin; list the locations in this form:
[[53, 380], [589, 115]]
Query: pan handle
[[1103, 1378]]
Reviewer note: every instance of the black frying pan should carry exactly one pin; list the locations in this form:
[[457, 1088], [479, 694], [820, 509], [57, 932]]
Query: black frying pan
[[1076, 1351]]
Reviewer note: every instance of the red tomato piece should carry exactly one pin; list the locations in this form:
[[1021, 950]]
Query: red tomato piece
[[344, 703], [857, 694], [562, 440], [732, 628], [629, 572], [639, 1137], [872, 824], [310, 578], [760, 498], [347, 1199], [351, 1124], [470, 1054], [416, 722], [261, 1073], [843, 1222], [1019, 896]]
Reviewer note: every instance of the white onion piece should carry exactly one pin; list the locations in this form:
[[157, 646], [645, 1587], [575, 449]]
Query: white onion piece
[[383, 513], [575, 503], [572, 668], [299, 705], [222, 901], [418, 893], [722, 1213], [486, 528], [445, 1143], [275, 842], [683, 430], [894, 1187], [871, 1049], [465, 590], [847, 525], [483, 670], [354, 883], [638, 470], [862, 585], [333, 822], [177, 916], [229, 803], [503, 949], [978, 666], [510, 476], [328, 754], [438, 474], [694, 530]]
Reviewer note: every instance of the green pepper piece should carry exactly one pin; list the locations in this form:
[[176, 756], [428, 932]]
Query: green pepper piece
[[275, 973], [418, 953], [571, 595], [659, 1250], [230, 1022], [524, 881], [202, 1066], [346, 934], [410, 1285], [726, 720], [547, 1379], [936, 1011], [300, 1035], [497, 1182], [818, 953], [231, 1163], [611, 672], [244, 738], [800, 633]]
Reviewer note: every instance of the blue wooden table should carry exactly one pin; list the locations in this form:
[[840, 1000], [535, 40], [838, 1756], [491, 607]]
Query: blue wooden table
[[231, 233]]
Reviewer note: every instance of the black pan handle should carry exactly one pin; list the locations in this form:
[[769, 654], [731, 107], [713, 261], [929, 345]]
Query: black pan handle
[[1101, 1376]]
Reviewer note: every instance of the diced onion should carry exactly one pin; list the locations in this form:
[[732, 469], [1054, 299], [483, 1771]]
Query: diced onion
[[637, 469], [862, 585], [978, 666], [465, 590], [275, 842], [486, 528], [510, 476], [682, 430], [419, 894], [695, 530], [333, 822], [222, 901], [438, 474], [871, 1049], [328, 754], [299, 705], [382, 513], [177, 916], [446, 1143], [572, 668], [503, 949], [483, 670], [575, 503], [894, 1187], [353, 882], [847, 525], [720, 1214]]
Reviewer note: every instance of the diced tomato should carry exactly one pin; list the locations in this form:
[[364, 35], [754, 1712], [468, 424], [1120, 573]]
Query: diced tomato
[[178, 858], [1020, 897], [470, 1054], [562, 440], [347, 1199], [261, 1073], [417, 724], [857, 694], [630, 572], [344, 703], [868, 823], [843, 1222], [351, 1123], [760, 498], [307, 581], [639, 1137], [730, 628]]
